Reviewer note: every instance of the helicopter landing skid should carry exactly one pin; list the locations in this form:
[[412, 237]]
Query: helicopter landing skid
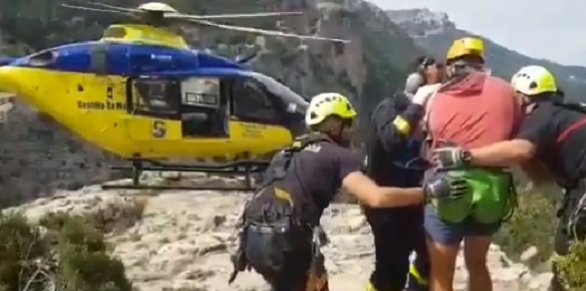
[[177, 188], [245, 168]]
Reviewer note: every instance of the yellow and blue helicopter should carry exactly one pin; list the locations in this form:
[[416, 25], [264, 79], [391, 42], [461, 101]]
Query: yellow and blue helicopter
[[143, 94]]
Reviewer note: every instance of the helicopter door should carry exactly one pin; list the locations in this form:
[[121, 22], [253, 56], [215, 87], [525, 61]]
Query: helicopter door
[[204, 110], [157, 101]]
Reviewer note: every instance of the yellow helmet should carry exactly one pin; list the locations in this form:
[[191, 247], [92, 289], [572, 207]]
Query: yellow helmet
[[533, 80], [466, 46], [328, 104]]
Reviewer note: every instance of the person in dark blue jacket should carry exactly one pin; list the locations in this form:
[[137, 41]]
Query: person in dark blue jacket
[[393, 158]]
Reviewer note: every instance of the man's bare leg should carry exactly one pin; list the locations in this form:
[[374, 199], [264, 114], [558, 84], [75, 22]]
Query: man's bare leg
[[475, 250], [443, 265]]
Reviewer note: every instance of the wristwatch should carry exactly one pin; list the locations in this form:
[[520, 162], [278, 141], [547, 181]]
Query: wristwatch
[[466, 156]]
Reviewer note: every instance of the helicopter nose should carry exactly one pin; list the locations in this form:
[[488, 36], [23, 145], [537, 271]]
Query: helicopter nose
[[7, 80]]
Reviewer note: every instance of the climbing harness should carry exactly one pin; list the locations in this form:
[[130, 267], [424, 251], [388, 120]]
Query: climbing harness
[[572, 212]]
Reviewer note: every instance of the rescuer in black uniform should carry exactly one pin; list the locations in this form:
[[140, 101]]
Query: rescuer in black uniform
[[393, 159], [280, 237], [553, 133]]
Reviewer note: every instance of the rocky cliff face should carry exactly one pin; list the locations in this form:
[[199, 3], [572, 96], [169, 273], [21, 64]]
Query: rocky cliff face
[[422, 22], [371, 67], [181, 241], [435, 32], [39, 156]]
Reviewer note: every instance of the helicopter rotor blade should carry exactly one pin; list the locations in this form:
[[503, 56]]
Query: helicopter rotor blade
[[263, 31], [108, 6], [232, 16], [96, 9]]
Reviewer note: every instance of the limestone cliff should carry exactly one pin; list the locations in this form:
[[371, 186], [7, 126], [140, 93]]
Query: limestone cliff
[[180, 241], [38, 156]]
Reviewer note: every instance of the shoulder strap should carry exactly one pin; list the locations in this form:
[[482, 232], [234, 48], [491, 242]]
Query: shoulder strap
[[574, 106], [282, 160]]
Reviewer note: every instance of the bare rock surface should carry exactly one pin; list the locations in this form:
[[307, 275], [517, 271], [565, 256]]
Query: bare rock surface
[[183, 239]]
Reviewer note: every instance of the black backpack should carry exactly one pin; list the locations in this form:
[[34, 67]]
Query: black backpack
[[273, 201]]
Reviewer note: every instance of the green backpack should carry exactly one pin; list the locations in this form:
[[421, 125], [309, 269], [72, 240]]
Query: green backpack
[[492, 197]]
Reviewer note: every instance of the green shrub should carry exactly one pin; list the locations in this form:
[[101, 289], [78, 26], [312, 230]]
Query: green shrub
[[63, 252], [19, 240], [573, 267], [532, 224]]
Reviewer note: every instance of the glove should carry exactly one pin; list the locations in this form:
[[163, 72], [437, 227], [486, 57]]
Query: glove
[[424, 93], [441, 186], [450, 157]]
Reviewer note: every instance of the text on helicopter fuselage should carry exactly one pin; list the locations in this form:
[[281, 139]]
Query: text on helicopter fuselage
[[97, 105]]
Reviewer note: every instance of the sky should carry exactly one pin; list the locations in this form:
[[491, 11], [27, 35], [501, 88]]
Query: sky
[[547, 29]]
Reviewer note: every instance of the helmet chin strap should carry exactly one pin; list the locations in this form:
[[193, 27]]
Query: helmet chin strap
[[338, 137], [334, 135], [334, 132]]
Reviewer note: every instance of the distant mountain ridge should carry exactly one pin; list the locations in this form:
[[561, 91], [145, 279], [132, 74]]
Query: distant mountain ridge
[[434, 31]]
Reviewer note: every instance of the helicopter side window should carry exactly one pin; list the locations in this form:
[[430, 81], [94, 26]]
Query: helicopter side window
[[252, 104], [158, 97], [203, 110]]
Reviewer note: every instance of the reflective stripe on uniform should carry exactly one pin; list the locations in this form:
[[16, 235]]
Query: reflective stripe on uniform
[[420, 279], [370, 287], [402, 124]]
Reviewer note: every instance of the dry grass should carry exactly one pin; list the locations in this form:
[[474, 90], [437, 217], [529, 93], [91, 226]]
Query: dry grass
[[118, 218]]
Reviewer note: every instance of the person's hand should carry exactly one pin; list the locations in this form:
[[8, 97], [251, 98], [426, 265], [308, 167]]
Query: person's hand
[[450, 157], [441, 186], [424, 93]]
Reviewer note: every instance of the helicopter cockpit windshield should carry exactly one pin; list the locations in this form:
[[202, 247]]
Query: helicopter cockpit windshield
[[294, 102]]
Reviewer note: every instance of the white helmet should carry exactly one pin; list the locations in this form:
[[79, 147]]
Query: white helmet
[[534, 80], [328, 104]]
